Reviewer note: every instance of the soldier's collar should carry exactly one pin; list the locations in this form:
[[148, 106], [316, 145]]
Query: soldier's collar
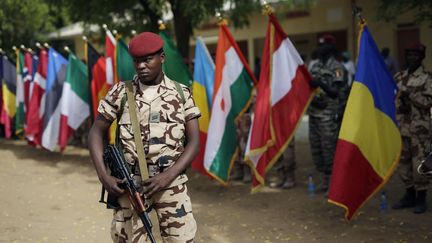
[[168, 83], [162, 86], [418, 71]]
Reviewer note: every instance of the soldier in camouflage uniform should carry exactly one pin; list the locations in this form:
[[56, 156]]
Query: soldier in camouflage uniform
[[413, 114], [326, 109], [166, 121], [241, 170]]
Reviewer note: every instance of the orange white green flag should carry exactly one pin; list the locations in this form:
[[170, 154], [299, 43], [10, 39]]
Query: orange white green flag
[[232, 94]]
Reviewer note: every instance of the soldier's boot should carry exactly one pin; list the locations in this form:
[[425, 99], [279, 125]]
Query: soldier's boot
[[247, 175], [237, 171], [408, 200], [289, 180], [420, 202], [279, 181], [324, 184]]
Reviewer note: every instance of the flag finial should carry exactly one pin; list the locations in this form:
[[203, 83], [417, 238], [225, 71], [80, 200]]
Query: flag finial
[[161, 24], [66, 48], [38, 45], [84, 38], [267, 9], [46, 45], [133, 32], [105, 27], [221, 19], [356, 11]]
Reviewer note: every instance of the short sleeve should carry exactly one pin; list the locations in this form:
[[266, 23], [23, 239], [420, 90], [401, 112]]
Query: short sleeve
[[109, 106], [190, 109]]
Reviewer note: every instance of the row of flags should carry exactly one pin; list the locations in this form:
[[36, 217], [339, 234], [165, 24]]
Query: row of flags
[[45, 96], [49, 96], [369, 142], [283, 93]]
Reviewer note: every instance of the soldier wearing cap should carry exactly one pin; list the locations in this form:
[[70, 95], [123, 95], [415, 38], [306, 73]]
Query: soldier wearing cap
[[167, 118], [413, 114], [326, 109]]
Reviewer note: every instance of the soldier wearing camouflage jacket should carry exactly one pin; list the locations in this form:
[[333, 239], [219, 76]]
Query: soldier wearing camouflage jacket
[[166, 121], [326, 109], [413, 114]]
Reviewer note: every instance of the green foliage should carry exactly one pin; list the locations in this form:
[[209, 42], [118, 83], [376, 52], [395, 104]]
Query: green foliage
[[390, 9], [27, 21]]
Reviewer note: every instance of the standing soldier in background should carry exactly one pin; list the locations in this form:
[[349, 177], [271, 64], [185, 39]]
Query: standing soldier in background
[[241, 170], [326, 109], [413, 114], [389, 61]]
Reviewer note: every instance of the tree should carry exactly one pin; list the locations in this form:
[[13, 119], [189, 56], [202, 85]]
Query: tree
[[390, 9], [26, 22], [33, 19], [143, 15]]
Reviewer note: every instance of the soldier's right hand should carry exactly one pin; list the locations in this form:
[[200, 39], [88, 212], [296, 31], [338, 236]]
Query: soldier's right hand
[[112, 185]]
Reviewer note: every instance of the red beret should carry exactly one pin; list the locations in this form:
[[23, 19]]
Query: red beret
[[327, 38], [144, 44], [416, 46]]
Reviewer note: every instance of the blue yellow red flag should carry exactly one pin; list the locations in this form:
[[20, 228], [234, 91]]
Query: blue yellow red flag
[[202, 88], [369, 144]]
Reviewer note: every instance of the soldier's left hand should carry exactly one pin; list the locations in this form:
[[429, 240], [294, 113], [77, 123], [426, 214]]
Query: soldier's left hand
[[155, 184]]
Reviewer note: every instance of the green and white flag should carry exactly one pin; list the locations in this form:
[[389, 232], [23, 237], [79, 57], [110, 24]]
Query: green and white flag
[[20, 111], [75, 100]]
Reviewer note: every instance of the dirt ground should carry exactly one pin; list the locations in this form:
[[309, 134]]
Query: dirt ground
[[53, 197]]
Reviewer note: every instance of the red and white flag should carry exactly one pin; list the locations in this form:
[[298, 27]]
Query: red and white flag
[[283, 94], [34, 118], [110, 50]]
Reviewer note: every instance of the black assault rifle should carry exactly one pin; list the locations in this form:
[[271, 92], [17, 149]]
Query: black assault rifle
[[116, 163]]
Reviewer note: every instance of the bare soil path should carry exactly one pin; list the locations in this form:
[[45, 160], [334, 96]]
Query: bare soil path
[[53, 197]]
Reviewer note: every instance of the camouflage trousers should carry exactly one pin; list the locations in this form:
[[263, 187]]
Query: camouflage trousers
[[323, 135], [286, 163], [414, 150], [174, 211]]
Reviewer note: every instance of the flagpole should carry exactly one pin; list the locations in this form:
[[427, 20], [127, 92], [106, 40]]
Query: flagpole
[[356, 11], [66, 48], [84, 38]]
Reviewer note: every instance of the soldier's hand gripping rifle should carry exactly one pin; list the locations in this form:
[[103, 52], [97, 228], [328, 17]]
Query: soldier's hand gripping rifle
[[116, 163]]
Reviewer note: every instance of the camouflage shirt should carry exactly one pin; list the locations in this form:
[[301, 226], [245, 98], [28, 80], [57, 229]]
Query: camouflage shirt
[[162, 123], [413, 111], [334, 75]]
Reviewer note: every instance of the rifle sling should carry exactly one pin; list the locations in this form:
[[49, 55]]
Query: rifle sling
[[137, 132]]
